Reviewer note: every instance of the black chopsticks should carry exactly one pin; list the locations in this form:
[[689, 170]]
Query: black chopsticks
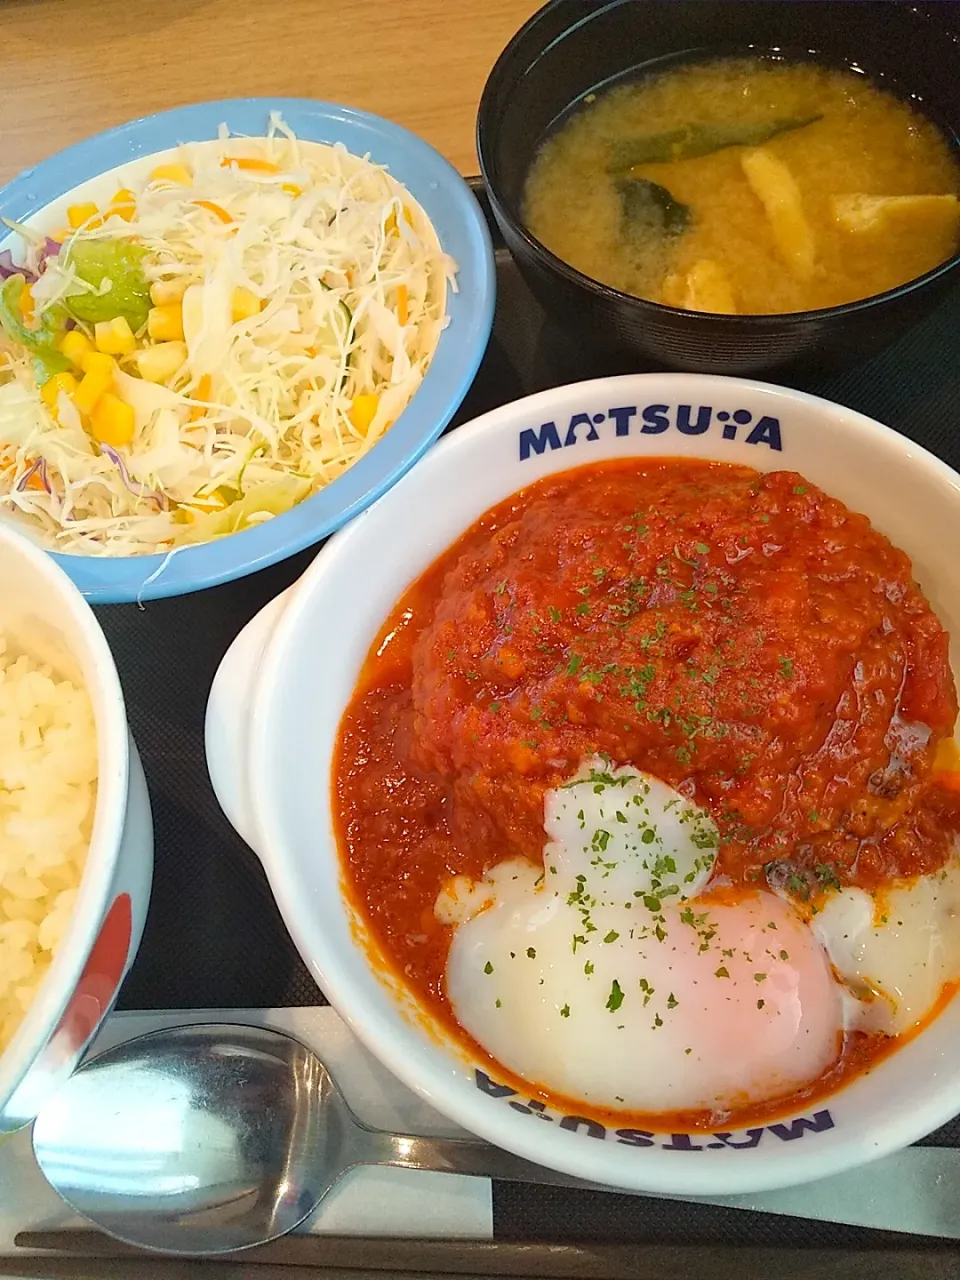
[[93, 1256]]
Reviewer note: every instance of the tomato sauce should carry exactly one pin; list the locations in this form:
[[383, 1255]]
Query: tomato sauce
[[744, 637]]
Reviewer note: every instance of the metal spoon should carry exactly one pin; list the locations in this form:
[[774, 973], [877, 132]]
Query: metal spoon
[[206, 1139]]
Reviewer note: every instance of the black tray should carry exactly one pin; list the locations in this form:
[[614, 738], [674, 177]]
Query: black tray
[[214, 937]]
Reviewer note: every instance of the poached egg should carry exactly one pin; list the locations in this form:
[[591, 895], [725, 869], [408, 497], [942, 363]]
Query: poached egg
[[605, 978]]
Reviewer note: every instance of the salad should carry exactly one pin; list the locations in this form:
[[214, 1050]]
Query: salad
[[213, 344]]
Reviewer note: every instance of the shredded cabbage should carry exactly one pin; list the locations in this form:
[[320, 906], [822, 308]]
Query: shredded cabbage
[[265, 408]]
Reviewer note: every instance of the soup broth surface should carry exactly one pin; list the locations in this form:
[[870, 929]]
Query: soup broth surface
[[824, 241]]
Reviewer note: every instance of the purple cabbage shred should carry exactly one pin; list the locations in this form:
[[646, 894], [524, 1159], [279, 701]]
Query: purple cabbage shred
[[138, 490]]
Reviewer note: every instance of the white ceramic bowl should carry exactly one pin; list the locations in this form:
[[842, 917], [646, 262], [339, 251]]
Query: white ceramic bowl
[[279, 696], [43, 612]]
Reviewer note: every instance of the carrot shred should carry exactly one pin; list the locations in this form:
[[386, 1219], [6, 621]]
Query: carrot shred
[[35, 482], [215, 209], [250, 165], [203, 392], [403, 310]]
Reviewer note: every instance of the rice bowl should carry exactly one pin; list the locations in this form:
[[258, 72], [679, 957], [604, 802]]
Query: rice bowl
[[76, 833]]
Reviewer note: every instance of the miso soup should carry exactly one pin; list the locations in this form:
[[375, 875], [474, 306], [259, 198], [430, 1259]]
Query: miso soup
[[747, 185]]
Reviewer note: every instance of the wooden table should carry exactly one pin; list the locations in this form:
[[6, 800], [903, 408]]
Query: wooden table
[[70, 68]]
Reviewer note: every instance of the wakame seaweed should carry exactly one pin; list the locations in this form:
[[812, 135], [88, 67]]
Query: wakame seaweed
[[699, 140]]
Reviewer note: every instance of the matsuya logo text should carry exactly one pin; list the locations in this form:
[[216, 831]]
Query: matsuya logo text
[[653, 420], [745, 1140]]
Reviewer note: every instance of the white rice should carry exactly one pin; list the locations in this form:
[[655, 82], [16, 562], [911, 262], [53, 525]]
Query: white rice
[[48, 777]]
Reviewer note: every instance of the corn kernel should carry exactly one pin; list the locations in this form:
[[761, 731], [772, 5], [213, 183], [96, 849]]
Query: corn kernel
[[245, 305], [163, 292], [213, 501], [97, 379], [123, 205], [25, 303], [75, 345], [98, 362], [115, 337], [157, 364], [79, 215], [89, 391], [178, 174], [165, 323], [112, 421], [363, 410], [50, 391]]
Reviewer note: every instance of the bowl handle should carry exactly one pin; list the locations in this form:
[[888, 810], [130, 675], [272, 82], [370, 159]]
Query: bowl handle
[[227, 727]]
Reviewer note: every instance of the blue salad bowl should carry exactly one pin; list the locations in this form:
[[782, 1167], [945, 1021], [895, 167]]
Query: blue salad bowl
[[448, 203]]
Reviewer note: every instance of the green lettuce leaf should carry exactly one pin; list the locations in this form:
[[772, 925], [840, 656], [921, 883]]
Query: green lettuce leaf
[[120, 262], [40, 342], [275, 497]]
